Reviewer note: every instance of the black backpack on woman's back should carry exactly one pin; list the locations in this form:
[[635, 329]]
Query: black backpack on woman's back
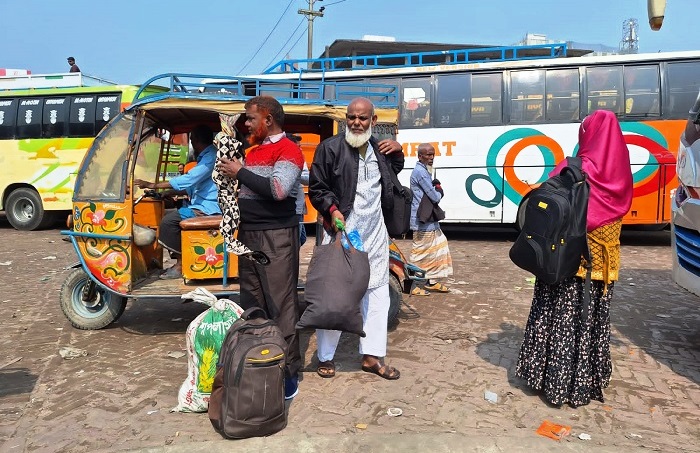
[[553, 238]]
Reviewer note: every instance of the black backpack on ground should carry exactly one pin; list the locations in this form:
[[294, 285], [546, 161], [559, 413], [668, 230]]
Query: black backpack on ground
[[247, 398], [553, 238]]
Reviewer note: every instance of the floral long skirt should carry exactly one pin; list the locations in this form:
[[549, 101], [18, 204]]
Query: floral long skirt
[[567, 359]]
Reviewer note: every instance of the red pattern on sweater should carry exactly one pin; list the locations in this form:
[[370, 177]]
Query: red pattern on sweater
[[270, 153], [262, 213]]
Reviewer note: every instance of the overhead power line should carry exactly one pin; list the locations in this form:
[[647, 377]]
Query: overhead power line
[[295, 43], [291, 36], [266, 38]]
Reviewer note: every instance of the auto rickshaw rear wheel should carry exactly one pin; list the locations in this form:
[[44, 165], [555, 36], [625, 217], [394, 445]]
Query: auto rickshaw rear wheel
[[395, 298], [99, 310]]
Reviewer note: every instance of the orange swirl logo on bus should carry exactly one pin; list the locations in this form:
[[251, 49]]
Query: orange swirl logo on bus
[[513, 142]]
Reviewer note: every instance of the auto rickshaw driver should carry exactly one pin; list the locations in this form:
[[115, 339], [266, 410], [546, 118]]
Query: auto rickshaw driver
[[200, 188]]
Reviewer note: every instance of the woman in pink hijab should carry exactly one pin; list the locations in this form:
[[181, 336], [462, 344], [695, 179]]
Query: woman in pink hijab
[[562, 355]]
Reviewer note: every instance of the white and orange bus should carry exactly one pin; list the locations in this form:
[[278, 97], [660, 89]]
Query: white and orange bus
[[501, 118]]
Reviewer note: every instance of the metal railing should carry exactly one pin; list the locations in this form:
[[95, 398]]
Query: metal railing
[[400, 60], [294, 91]]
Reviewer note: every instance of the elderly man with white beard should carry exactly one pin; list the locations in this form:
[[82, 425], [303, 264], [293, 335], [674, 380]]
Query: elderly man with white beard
[[350, 183]]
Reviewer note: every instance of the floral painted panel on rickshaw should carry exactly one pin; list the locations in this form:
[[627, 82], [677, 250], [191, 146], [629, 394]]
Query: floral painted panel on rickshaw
[[203, 256], [108, 259]]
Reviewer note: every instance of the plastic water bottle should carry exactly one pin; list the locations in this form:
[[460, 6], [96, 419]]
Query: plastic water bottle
[[355, 240]]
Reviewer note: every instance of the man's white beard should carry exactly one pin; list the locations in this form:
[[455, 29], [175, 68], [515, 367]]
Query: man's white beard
[[357, 140]]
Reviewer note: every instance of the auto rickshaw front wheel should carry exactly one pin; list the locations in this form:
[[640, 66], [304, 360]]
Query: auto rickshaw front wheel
[[87, 305]]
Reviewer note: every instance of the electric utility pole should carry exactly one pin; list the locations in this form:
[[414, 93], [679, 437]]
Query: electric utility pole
[[311, 15]]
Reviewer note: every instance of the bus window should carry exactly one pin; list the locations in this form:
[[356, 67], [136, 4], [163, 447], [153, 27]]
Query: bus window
[[527, 96], [415, 103], [344, 90], [641, 90], [562, 88], [486, 92], [29, 118], [386, 91], [55, 121], [452, 100], [8, 117], [604, 89], [107, 108], [309, 91], [275, 90], [683, 86], [82, 116]]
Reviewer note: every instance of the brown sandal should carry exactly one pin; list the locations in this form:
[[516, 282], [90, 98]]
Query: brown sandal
[[326, 369], [438, 287], [418, 291], [385, 371]]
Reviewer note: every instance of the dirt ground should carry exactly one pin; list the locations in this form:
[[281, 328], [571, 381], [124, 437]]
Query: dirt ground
[[450, 348]]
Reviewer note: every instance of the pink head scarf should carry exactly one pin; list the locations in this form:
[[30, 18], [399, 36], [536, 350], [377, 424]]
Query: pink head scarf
[[606, 162]]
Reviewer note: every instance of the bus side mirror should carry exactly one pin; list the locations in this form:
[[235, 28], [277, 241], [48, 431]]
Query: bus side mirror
[[656, 9]]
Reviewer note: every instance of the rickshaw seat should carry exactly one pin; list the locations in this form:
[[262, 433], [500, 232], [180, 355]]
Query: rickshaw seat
[[206, 222]]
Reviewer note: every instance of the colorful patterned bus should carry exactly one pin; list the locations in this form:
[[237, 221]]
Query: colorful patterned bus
[[47, 123], [501, 118]]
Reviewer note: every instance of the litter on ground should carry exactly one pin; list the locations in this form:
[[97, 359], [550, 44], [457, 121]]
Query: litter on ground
[[553, 431], [394, 412], [69, 352], [490, 396]]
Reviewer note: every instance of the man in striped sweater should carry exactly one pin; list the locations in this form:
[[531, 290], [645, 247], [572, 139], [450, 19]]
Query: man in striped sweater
[[269, 223]]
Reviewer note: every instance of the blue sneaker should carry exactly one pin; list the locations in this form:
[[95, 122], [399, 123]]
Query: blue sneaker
[[291, 387]]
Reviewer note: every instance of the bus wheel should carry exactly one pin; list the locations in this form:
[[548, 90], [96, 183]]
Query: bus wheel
[[25, 211], [395, 299], [101, 309]]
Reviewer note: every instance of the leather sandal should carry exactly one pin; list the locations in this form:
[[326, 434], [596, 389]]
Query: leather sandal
[[418, 291], [326, 369], [439, 287], [381, 370]]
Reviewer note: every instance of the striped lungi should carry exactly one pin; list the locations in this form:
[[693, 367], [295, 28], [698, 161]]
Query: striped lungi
[[431, 253]]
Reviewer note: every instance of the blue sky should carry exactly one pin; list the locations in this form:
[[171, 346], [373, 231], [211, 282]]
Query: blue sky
[[130, 41]]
